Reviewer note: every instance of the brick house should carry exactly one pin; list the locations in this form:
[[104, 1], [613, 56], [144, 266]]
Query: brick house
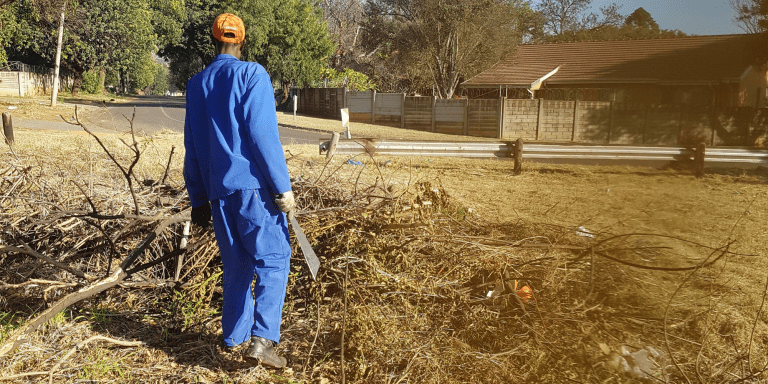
[[692, 71]]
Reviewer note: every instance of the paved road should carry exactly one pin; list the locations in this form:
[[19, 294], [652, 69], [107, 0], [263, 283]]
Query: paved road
[[154, 114]]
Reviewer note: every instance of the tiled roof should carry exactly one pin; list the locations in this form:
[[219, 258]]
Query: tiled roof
[[683, 60]]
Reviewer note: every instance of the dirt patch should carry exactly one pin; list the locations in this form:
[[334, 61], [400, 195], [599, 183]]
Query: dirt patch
[[420, 258]]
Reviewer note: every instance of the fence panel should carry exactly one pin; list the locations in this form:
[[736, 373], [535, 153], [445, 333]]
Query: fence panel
[[663, 125], [449, 115], [593, 121], [557, 120], [483, 117], [418, 112], [9, 83], [550, 120], [389, 109], [520, 119], [359, 104], [628, 125]]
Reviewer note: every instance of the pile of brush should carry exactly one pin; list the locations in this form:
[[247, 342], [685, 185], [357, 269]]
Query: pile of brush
[[102, 277]]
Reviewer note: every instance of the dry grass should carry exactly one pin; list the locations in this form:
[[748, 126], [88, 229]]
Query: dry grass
[[39, 107], [404, 283]]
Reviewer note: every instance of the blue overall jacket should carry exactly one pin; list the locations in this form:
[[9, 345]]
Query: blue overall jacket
[[230, 132]]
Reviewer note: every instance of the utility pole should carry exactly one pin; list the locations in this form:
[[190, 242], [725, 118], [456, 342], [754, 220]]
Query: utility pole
[[55, 92]]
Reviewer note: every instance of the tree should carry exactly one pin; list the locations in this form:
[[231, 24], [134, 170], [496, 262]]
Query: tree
[[562, 15], [289, 38], [160, 85], [96, 34], [344, 19], [8, 27], [638, 25], [297, 45], [751, 15], [142, 74], [418, 45], [640, 18]]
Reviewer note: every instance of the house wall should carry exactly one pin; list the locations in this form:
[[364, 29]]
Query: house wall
[[752, 89]]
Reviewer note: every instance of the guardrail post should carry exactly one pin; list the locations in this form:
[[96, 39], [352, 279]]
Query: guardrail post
[[518, 168], [8, 128], [698, 160], [332, 146]]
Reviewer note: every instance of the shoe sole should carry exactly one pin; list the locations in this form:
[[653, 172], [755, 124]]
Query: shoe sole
[[260, 361]]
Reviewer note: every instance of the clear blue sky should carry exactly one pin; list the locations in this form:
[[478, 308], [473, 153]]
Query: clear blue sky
[[694, 17]]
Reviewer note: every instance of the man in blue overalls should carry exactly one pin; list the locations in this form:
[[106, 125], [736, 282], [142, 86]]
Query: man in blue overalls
[[234, 160]]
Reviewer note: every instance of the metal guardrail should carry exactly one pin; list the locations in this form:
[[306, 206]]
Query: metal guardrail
[[607, 153]]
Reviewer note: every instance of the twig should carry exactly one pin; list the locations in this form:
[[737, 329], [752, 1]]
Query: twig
[[591, 272], [126, 173], [754, 325], [18, 336], [20, 375], [84, 343], [29, 251], [167, 167], [344, 323], [36, 281], [314, 341], [669, 304]]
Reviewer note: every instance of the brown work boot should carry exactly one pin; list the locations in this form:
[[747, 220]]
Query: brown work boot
[[262, 351]]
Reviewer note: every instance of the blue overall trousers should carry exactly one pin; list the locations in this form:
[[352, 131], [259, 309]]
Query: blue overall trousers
[[253, 239]]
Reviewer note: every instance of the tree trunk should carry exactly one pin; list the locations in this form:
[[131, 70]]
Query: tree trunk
[[102, 79], [77, 83]]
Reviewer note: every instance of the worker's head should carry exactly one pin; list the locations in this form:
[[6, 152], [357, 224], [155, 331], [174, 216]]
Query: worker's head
[[229, 34]]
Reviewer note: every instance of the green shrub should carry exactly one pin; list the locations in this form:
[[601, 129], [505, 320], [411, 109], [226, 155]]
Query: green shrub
[[353, 80], [91, 83]]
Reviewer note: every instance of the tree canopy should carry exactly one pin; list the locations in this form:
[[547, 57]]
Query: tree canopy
[[751, 15], [289, 38], [437, 43], [611, 26], [96, 34]]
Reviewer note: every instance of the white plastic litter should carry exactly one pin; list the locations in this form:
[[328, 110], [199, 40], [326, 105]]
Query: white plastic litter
[[581, 231]]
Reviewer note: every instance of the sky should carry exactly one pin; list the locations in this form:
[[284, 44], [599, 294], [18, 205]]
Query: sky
[[693, 17]]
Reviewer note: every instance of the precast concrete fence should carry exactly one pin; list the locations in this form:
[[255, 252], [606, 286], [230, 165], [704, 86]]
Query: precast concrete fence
[[605, 122]]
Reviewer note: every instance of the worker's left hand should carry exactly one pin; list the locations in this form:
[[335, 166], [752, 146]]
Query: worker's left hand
[[285, 202], [201, 216]]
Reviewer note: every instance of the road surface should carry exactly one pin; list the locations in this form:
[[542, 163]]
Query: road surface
[[155, 114]]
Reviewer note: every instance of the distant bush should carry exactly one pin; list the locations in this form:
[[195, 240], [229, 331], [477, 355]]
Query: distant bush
[[91, 83], [353, 80]]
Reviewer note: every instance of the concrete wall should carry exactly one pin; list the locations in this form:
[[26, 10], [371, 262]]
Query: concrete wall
[[13, 83]]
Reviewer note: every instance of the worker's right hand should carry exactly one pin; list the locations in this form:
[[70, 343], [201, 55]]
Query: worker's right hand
[[201, 216], [285, 202]]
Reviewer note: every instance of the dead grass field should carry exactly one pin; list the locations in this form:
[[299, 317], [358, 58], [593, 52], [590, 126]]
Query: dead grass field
[[404, 283], [39, 107]]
